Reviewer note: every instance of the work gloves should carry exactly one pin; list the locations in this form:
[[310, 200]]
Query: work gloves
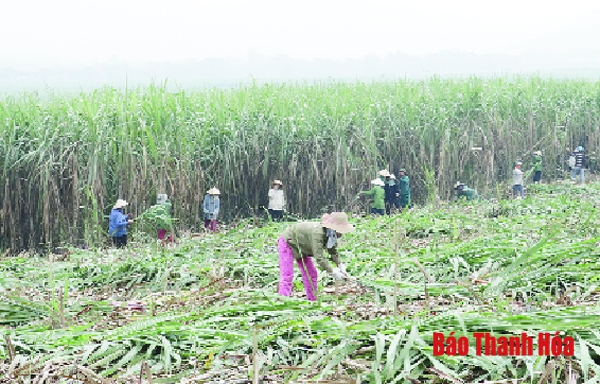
[[337, 274], [342, 267], [340, 273]]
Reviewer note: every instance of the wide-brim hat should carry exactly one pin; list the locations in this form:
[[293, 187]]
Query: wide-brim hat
[[539, 153], [278, 182], [518, 163], [458, 184], [377, 182], [120, 204], [338, 221], [213, 191], [384, 173], [403, 170]]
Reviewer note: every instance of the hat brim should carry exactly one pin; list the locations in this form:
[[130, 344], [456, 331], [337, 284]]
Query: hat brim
[[341, 228]]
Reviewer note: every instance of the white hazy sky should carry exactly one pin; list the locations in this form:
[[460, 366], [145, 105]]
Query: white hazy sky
[[74, 31]]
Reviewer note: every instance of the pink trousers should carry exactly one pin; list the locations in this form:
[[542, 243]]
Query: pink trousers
[[286, 271], [162, 233], [210, 224]]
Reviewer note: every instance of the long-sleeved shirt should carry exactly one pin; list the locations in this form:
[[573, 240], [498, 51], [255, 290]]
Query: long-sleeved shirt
[[276, 199], [163, 216], [117, 223], [404, 184], [468, 193], [391, 189], [537, 163], [310, 239], [378, 194], [517, 177], [579, 159], [211, 207]]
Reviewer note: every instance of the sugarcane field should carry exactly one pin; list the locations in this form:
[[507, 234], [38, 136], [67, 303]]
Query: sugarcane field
[[299, 192], [438, 231]]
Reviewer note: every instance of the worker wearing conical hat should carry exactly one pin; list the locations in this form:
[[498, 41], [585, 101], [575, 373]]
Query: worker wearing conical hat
[[211, 208], [377, 192], [276, 200], [117, 224], [307, 240]]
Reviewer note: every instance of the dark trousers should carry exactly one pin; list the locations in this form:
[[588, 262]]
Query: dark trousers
[[120, 241], [391, 204], [276, 214], [376, 211], [518, 190], [537, 176]]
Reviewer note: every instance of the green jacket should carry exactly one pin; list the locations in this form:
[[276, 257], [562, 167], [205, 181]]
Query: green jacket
[[160, 215], [468, 193], [537, 163], [309, 239], [404, 185], [378, 194]]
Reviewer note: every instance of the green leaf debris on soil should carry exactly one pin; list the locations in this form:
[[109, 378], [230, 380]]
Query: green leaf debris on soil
[[208, 310]]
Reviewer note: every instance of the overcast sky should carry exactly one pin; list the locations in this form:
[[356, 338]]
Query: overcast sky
[[75, 31]]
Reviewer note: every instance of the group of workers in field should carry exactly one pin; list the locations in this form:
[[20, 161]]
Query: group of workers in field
[[576, 162], [389, 193], [304, 242]]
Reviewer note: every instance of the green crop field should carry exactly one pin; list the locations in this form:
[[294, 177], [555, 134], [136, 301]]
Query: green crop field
[[207, 310], [65, 159]]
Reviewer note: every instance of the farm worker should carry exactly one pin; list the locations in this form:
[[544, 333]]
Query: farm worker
[[378, 194], [117, 223], [211, 207], [308, 240], [537, 166], [164, 224], [463, 191], [518, 189], [276, 200], [404, 188], [578, 169], [591, 161], [392, 193]]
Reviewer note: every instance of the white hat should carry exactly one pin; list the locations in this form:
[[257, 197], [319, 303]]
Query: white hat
[[120, 204], [539, 153], [213, 191], [278, 182], [384, 173], [377, 182]]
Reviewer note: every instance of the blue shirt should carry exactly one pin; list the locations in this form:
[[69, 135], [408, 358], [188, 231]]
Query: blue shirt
[[117, 223], [211, 207]]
